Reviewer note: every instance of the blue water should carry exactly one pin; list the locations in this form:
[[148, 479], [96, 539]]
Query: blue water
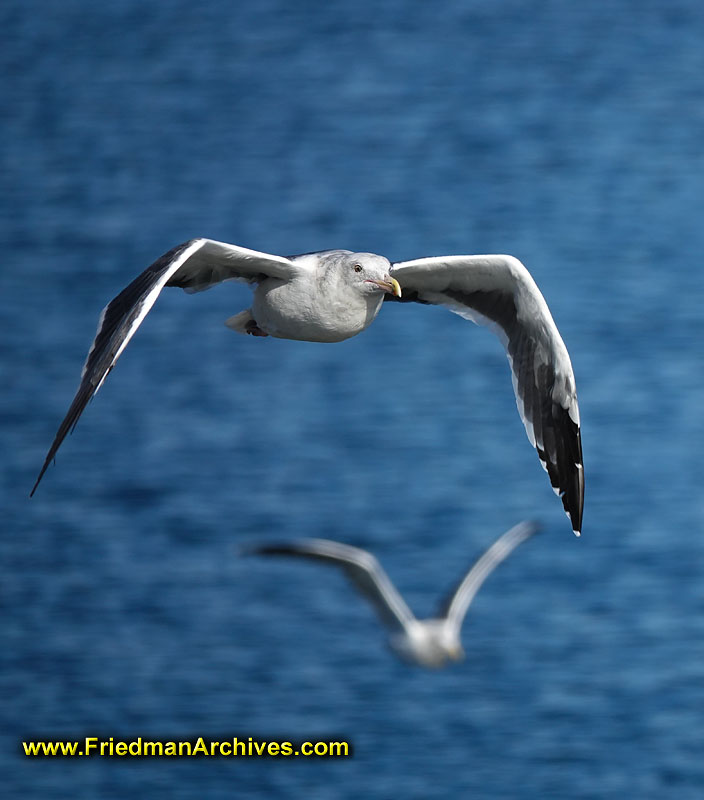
[[567, 134]]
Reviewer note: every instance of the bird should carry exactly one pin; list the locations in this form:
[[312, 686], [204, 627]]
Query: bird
[[332, 295], [431, 643]]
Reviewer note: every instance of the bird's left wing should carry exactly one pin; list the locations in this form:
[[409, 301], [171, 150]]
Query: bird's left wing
[[194, 265], [360, 566], [499, 292], [455, 606]]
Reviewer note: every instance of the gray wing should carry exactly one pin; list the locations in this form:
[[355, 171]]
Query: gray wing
[[194, 265], [455, 606], [498, 291], [360, 566]]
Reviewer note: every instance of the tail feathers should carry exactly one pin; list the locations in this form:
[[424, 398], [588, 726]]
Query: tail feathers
[[239, 322]]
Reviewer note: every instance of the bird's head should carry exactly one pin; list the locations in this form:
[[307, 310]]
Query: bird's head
[[448, 643], [456, 652], [430, 643], [370, 274]]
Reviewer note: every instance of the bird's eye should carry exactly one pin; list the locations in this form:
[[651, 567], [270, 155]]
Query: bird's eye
[[357, 267]]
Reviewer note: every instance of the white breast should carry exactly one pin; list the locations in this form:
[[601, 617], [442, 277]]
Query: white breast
[[298, 309]]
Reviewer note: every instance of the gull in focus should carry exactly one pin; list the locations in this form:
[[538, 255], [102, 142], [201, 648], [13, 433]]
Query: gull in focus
[[429, 642], [332, 295]]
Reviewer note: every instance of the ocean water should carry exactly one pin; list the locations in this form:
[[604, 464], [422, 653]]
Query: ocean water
[[569, 135]]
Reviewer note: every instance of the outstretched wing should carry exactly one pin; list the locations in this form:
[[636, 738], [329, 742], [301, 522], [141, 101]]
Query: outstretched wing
[[194, 265], [360, 566], [498, 291], [455, 606]]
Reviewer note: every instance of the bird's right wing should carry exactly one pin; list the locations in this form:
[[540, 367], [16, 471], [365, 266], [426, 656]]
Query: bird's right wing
[[499, 292], [360, 566], [455, 606], [194, 265]]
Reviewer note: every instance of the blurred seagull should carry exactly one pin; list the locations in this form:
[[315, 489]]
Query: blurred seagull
[[428, 642], [332, 295]]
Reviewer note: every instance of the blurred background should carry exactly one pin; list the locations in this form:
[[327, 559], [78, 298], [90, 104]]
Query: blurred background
[[567, 134]]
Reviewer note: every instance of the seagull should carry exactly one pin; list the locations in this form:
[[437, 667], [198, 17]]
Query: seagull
[[331, 295], [428, 642]]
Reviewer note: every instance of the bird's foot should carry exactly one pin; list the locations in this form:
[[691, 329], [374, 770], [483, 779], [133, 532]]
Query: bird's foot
[[253, 329]]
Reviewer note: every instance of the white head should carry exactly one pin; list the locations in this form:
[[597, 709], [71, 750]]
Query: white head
[[368, 272], [430, 643]]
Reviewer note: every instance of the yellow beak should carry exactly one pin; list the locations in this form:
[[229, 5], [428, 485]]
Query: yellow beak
[[391, 286], [457, 653]]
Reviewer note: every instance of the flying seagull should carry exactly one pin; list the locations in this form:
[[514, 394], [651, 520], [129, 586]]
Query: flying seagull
[[428, 642], [332, 295]]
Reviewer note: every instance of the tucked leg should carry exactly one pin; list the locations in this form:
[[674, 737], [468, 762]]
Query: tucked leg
[[244, 323], [253, 329]]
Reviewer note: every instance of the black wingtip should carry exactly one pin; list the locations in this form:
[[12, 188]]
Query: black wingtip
[[573, 499], [562, 457], [47, 461], [34, 488], [44, 468], [268, 549]]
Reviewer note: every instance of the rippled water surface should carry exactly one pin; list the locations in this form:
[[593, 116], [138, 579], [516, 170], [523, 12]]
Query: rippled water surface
[[567, 134]]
